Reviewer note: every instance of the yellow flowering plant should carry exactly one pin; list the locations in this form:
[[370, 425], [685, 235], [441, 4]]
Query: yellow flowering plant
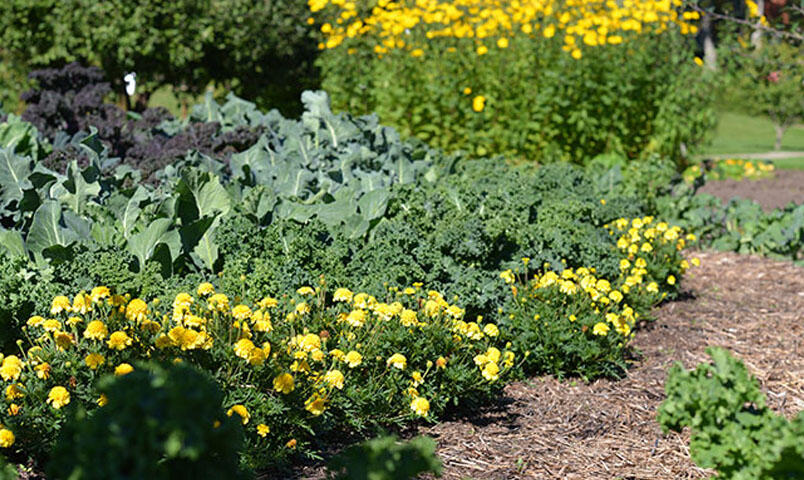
[[573, 321], [565, 79], [568, 323], [290, 366], [652, 263]]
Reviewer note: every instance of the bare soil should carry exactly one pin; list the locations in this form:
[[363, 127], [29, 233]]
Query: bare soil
[[786, 186]]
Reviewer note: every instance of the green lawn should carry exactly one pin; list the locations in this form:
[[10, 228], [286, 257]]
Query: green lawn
[[741, 133], [790, 163]]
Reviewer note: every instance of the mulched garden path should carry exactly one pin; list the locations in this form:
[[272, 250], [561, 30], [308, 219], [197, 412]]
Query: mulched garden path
[[786, 186], [545, 429]]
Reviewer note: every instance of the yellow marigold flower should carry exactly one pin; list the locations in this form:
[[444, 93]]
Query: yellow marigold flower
[[136, 310], [491, 371], [291, 443], [508, 359], [397, 360], [60, 304], [356, 318], [601, 329], [43, 371], [11, 368], [653, 287], [243, 348], [491, 330], [263, 324], [241, 312], [256, 357], [35, 321], [493, 354], [82, 303], [51, 325], [284, 383], [123, 369], [310, 342], [441, 362], [241, 411], [305, 291], [99, 293], [58, 397], [408, 318], [549, 31], [671, 280], [502, 42], [94, 360], [482, 50], [416, 378], [478, 103], [420, 406], [14, 391], [183, 299], [696, 261], [467, 91], [219, 302], [72, 321], [338, 354], [13, 409], [205, 289], [119, 340], [316, 404], [302, 308], [455, 311], [103, 400], [6, 438], [268, 302], [63, 340], [353, 359], [335, 379], [263, 430], [342, 295]]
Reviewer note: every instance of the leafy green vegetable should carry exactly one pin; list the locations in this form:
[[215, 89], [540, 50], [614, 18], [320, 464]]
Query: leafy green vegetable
[[733, 431]]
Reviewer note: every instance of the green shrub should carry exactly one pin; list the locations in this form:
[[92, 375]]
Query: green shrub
[[160, 422], [529, 100], [385, 458], [733, 431]]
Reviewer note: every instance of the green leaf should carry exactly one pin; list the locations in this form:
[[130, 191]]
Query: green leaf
[[11, 241], [14, 172], [131, 213], [46, 229], [373, 204], [142, 245]]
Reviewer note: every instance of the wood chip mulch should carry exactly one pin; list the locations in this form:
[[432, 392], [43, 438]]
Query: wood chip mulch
[[546, 429]]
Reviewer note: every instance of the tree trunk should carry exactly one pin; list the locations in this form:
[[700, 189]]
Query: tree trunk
[[780, 129], [708, 40], [756, 35]]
